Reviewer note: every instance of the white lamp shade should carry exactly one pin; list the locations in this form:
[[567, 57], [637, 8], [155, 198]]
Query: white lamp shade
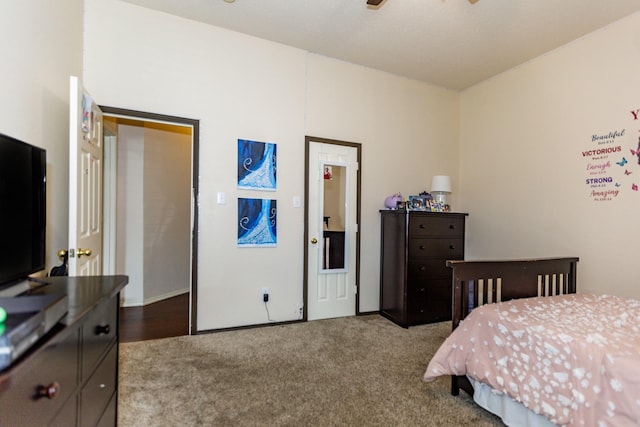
[[441, 184]]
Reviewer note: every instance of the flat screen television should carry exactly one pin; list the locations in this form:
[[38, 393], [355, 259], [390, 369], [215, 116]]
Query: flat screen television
[[22, 210]]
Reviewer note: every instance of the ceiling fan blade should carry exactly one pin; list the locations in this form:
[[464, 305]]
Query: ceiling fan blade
[[374, 2]]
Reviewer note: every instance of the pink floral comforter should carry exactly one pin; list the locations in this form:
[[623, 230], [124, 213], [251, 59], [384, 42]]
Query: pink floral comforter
[[572, 358]]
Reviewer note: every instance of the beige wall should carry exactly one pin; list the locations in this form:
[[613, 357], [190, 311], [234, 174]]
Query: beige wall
[[518, 172], [153, 211], [41, 47], [335, 190], [243, 87], [238, 87], [408, 131], [167, 213], [522, 172], [130, 212]]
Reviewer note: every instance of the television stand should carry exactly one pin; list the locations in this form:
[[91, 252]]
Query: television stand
[[70, 376]]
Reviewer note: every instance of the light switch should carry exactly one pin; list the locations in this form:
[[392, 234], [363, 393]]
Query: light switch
[[222, 198], [296, 201]]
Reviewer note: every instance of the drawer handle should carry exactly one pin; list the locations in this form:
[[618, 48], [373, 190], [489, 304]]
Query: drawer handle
[[422, 268], [452, 227], [421, 247], [102, 330], [452, 247], [421, 225], [49, 391]]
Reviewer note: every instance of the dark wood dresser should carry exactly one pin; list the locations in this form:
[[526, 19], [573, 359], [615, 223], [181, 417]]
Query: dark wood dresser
[[70, 376], [415, 283]]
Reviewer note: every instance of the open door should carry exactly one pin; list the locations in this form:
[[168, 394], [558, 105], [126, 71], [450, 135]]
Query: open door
[[85, 182]]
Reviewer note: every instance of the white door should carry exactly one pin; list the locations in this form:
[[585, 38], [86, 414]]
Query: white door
[[85, 183], [332, 230]]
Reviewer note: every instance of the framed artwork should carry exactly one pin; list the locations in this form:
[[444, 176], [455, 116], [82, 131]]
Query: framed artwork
[[256, 165], [416, 203], [257, 222]]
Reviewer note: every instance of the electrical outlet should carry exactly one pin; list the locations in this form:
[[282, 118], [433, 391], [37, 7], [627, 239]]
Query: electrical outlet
[[265, 294]]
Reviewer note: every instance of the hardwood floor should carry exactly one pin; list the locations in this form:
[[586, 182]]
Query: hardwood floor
[[162, 319]]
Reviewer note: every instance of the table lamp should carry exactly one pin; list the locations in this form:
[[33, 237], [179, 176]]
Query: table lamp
[[440, 187]]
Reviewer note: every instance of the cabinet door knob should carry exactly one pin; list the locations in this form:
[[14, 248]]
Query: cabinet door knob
[[421, 225], [452, 227], [421, 247], [422, 268], [49, 391], [102, 330], [452, 247]]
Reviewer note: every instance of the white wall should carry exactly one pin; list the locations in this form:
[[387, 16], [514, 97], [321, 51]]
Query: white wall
[[153, 211], [167, 220], [243, 87], [41, 47], [408, 131], [130, 212], [238, 87], [522, 173]]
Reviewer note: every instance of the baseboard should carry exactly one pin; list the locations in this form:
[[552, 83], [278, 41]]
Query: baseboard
[[367, 313], [258, 325], [156, 298]]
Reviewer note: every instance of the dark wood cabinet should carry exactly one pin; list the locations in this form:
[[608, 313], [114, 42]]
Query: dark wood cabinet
[[78, 358], [415, 283]]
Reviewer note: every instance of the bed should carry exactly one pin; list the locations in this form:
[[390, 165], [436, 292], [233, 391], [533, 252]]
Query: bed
[[529, 348]]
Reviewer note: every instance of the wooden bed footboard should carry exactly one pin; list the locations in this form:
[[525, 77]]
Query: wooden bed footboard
[[484, 282]]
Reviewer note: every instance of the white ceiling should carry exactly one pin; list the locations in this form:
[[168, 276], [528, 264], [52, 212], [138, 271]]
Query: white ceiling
[[449, 43]]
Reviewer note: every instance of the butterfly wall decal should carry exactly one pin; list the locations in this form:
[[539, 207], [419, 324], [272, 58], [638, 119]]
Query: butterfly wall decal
[[634, 187], [622, 162], [627, 172], [617, 184]]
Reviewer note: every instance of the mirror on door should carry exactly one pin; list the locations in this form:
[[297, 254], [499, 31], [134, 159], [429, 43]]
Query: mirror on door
[[334, 212]]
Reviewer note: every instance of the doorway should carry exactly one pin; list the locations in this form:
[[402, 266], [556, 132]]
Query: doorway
[[154, 213], [332, 242]]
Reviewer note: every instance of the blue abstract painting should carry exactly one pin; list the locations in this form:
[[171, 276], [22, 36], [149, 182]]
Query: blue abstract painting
[[257, 222], [256, 165]]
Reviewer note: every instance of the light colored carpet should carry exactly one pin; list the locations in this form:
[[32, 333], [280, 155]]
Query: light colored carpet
[[355, 371]]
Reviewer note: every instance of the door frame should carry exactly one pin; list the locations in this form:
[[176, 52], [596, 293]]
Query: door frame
[[195, 165], [307, 141]]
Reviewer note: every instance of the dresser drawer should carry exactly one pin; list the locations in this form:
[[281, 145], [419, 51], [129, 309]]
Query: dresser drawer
[[98, 332], [98, 391], [109, 417], [425, 268], [436, 226], [54, 370], [68, 415], [441, 248], [429, 300]]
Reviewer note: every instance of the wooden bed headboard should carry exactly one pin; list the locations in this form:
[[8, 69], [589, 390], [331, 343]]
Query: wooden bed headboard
[[483, 282]]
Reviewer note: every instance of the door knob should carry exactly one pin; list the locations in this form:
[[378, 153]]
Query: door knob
[[62, 253], [314, 240], [86, 252]]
